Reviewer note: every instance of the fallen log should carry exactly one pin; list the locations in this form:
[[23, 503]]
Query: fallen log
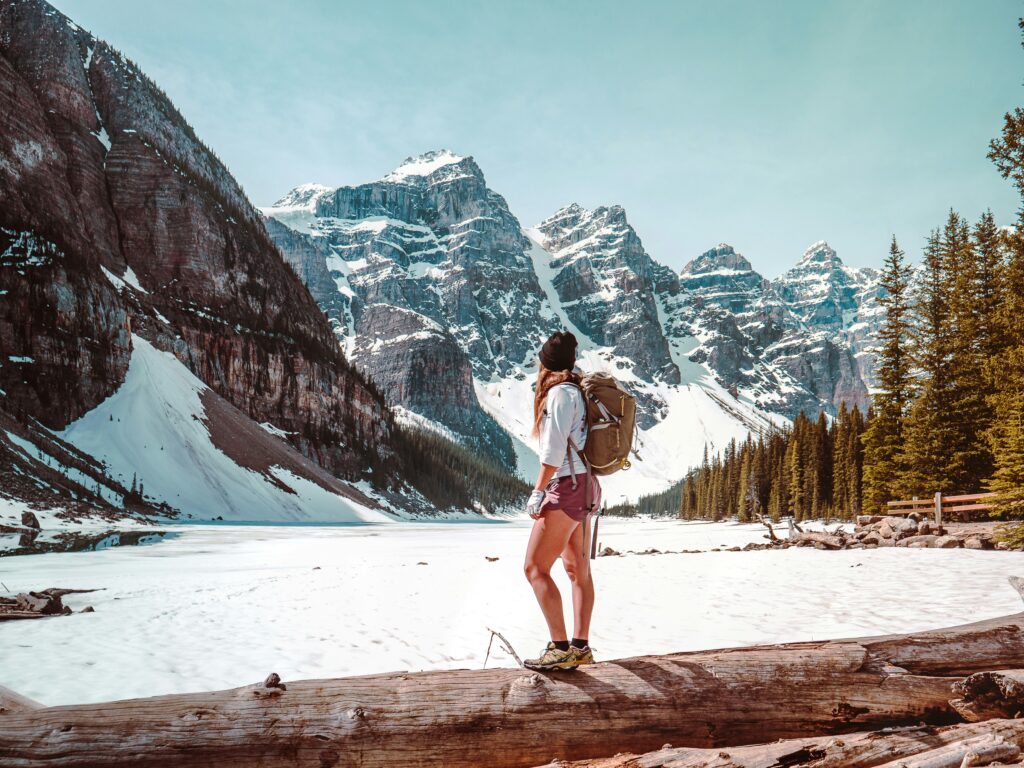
[[35, 605], [990, 695], [826, 540], [894, 746], [511, 717], [15, 702]]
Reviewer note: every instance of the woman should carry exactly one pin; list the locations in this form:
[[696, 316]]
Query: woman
[[558, 505]]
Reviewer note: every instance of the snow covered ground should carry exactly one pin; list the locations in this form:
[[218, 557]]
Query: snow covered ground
[[224, 605], [155, 430]]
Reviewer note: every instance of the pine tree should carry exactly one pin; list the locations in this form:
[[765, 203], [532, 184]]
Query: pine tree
[[968, 459], [1006, 432], [1006, 366], [988, 248], [820, 465], [929, 430], [883, 440], [795, 479], [855, 467], [840, 462]]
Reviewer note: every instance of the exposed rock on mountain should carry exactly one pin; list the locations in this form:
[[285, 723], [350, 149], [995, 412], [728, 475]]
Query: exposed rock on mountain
[[841, 301], [437, 286], [433, 288], [116, 220], [793, 341], [607, 284]]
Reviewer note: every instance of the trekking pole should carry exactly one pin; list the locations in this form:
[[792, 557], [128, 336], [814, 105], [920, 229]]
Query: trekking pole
[[593, 541]]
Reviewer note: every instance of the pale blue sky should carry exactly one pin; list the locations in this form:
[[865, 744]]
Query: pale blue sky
[[767, 125]]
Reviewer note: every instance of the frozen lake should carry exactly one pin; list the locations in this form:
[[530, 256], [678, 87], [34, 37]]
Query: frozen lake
[[222, 606]]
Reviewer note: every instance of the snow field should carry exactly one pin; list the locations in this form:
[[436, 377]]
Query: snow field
[[224, 605], [153, 428]]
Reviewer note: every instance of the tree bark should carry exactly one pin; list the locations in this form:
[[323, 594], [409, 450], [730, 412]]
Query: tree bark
[[512, 717], [989, 695], [15, 702], [910, 746], [827, 540]]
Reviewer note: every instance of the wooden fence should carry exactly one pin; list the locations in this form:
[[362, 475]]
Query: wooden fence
[[940, 505]]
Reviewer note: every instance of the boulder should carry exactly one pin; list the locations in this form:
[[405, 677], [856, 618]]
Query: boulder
[[947, 542], [924, 528], [29, 520], [918, 542], [973, 542], [904, 528], [885, 529]]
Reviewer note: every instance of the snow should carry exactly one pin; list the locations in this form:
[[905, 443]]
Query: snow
[[154, 427], [103, 137], [133, 281], [127, 280], [190, 613], [52, 525], [275, 431], [424, 165], [698, 412]]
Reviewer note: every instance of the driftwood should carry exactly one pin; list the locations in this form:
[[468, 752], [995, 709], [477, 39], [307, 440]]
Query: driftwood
[[37, 605], [990, 695], [895, 746], [511, 717], [823, 540], [772, 537]]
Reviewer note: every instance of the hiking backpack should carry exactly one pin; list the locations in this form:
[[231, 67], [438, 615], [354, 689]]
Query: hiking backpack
[[611, 423]]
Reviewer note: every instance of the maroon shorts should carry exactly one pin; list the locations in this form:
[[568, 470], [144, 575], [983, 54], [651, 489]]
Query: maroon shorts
[[573, 501]]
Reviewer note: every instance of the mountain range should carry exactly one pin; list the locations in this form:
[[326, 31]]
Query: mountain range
[[441, 297], [168, 348]]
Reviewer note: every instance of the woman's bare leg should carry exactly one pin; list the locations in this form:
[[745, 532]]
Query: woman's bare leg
[[577, 565], [548, 539]]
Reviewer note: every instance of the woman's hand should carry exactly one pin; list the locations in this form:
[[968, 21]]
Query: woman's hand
[[533, 505]]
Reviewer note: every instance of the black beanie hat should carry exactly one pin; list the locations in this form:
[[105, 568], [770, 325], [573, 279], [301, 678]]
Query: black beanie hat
[[559, 352]]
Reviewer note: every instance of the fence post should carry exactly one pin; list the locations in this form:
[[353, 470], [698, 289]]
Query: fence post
[[938, 509]]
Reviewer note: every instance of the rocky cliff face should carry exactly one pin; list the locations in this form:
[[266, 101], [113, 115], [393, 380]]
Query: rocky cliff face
[[791, 343], [115, 219], [607, 285], [842, 302], [438, 287]]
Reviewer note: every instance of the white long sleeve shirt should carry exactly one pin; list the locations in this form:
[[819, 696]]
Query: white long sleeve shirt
[[564, 417]]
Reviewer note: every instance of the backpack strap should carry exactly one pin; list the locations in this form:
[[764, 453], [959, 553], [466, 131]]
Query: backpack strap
[[571, 446], [588, 492]]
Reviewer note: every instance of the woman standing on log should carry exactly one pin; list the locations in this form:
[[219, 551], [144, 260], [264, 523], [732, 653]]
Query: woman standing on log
[[559, 505]]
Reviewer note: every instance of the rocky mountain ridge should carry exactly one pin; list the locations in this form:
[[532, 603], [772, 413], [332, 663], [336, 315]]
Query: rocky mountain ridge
[[431, 262], [123, 238]]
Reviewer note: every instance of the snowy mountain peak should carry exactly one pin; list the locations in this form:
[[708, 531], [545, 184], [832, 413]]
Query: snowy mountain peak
[[576, 217], [722, 257], [303, 196], [566, 216], [820, 252], [424, 165]]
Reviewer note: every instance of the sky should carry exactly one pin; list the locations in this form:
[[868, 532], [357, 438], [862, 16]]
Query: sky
[[764, 125]]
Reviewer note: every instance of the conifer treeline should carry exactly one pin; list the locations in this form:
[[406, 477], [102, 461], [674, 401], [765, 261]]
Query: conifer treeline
[[939, 378], [810, 470]]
